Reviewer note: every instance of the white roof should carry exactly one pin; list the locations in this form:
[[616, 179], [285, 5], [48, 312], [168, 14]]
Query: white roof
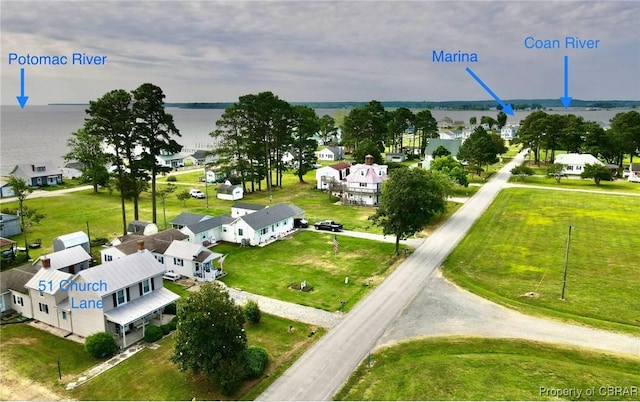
[[577, 159], [67, 257], [74, 238], [51, 279], [184, 250], [124, 271], [140, 307]]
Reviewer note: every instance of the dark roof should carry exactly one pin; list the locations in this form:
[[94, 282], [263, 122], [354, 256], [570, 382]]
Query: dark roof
[[340, 166], [16, 278], [271, 215], [246, 205], [157, 242], [186, 219], [75, 165], [201, 154], [227, 188], [137, 226], [207, 224]]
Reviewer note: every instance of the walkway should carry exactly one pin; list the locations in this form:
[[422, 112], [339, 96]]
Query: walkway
[[104, 366]]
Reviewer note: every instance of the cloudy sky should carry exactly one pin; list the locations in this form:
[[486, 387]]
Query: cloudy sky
[[320, 50]]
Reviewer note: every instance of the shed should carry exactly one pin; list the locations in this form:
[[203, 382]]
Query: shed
[[71, 240], [231, 192], [142, 228], [9, 225], [5, 190]]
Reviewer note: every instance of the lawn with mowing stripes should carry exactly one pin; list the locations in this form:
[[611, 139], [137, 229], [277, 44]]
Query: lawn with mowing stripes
[[308, 256], [518, 246], [490, 369]]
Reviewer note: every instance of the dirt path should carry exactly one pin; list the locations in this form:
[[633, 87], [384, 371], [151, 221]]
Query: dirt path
[[14, 387]]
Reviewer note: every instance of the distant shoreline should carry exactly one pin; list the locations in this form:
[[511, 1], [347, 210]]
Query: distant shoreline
[[518, 104]]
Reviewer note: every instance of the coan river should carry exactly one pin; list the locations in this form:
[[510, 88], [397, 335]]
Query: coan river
[[40, 133]]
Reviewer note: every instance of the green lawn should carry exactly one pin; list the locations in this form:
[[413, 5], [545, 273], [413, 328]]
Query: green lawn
[[490, 369], [308, 256], [578, 183], [163, 381], [34, 354], [518, 246]]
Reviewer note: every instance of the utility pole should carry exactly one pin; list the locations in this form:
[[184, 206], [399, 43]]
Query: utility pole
[[566, 263]]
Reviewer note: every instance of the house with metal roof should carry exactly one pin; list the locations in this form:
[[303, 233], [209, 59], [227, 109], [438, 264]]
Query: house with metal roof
[[244, 208], [38, 174], [156, 243], [46, 295], [71, 260], [186, 219], [263, 226], [14, 296], [574, 163], [331, 154]]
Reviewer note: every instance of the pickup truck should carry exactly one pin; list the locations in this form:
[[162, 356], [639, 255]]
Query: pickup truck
[[328, 225]]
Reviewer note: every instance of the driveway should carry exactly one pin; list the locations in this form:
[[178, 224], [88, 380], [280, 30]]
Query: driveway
[[322, 370]]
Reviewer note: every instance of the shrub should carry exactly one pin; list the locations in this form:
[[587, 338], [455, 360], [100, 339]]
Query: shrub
[[230, 375], [252, 312], [171, 178], [170, 309], [100, 345], [165, 329], [152, 333], [257, 360], [173, 324]]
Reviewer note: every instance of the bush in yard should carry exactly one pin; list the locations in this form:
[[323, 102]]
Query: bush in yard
[[171, 178], [165, 329], [100, 345], [152, 333], [173, 324], [252, 312], [257, 360], [170, 309]]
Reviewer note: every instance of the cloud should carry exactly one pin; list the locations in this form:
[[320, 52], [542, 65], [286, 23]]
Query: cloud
[[322, 50]]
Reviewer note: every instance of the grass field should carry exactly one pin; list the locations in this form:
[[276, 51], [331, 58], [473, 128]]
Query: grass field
[[490, 369], [308, 256], [578, 183], [33, 353], [518, 246]]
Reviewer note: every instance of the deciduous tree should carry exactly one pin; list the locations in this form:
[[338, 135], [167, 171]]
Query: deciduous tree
[[28, 216], [596, 172], [86, 148], [410, 199], [450, 167], [479, 149]]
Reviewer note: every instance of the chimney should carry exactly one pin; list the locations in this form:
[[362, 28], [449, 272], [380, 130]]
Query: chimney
[[46, 262], [368, 160], [140, 244]]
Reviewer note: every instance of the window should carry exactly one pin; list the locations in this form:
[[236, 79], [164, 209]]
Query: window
[[18, 300], [224, 229], [108, 258], [363, 184], [64, 315], [160, 259], [43, 308], [178, 261], [240, 232], [40, 169], [120, 297], [145, 287]]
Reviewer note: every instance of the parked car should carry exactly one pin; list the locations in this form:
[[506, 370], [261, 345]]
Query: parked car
[[300, 223], [328, 225], [195, 193]]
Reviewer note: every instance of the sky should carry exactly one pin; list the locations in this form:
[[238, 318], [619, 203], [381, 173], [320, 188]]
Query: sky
[[303, 51]]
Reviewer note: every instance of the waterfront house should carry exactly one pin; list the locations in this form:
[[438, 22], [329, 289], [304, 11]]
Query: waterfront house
[[38, 174], [171, 160]]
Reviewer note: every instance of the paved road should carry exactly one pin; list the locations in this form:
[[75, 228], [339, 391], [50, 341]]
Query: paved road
[[443, 309], [322, 370]]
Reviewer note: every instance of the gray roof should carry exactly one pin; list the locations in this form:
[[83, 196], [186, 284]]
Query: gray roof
[[8, 217], [67, 257], [190, 252], [271, 215], [227, 188], [246, 205], [187, 218], [15, 279], [123, 272], [207, 224], [452, 146], [141, 306], [28, 170], [157, 242], [137, 226], [334, 150]]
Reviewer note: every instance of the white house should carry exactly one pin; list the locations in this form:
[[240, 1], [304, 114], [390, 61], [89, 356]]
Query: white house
[[337, 172], [508, 133], [71, 260], [364, 183], [633, 174], [244, 208], [14, 296], [72, 170], [228, 191], [186, 219], [262, 226], [191, 260], [131, 244], [38, 174], [47, 297], [71, 240], [331, 154], [166, 159], [575, 163], [207, 231]]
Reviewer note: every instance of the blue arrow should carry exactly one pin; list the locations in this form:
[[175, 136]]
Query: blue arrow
[[505, 107], [22, 100], [566, 99]]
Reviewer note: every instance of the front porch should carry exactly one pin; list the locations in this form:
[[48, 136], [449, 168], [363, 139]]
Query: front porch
[[135, 334]]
